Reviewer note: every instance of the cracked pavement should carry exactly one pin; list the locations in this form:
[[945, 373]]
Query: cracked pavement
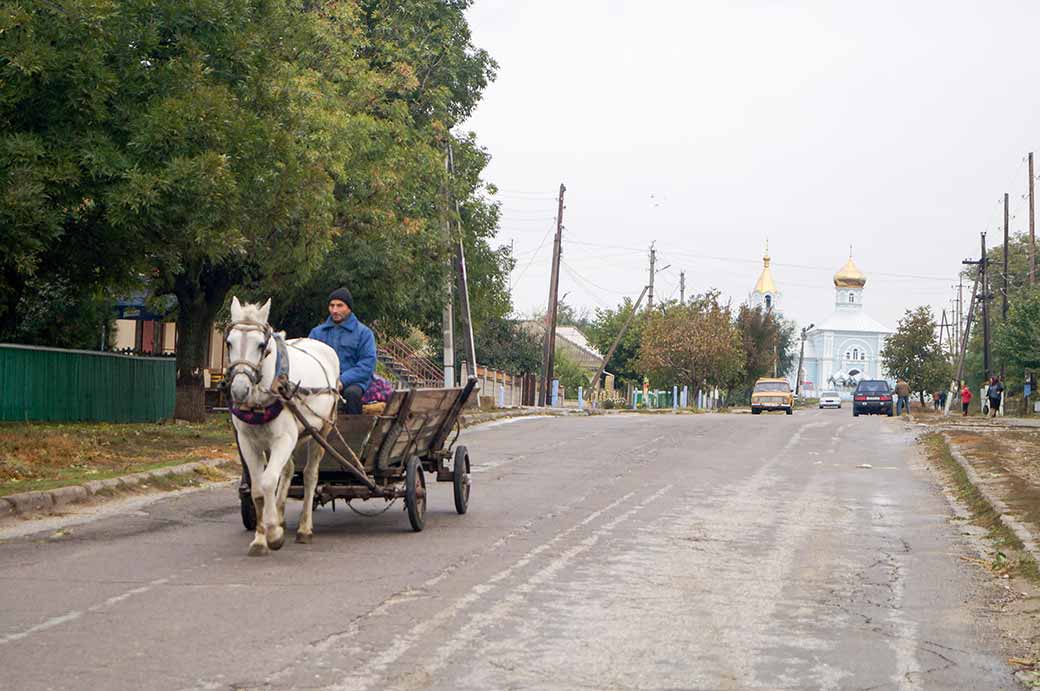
[[611, 552]]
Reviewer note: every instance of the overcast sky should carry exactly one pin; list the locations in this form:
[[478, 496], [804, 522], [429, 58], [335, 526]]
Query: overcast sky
[[708, 127]]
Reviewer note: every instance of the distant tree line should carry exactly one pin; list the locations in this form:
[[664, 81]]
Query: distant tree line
[[701, 343]]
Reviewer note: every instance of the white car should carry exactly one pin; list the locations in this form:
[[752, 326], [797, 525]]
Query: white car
[[830, 399]]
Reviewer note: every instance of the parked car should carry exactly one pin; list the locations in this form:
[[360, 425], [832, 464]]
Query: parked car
[[872, 397], [772, 394], [830, 399]]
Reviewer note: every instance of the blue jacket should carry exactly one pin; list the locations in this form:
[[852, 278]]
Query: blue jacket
[[355, 345]]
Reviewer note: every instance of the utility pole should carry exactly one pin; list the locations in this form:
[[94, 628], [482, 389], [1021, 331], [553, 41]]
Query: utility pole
[[682, 287], [942, 329], [594, 386], [549, 345], [801, 359], [983, 266], [448, 313], [964, 341], [1004, 305], [960, 307], [653, 260], [1032, 233], [463, 284]]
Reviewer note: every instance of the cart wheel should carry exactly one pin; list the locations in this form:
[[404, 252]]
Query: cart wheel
[[248, 510], [415, 493], [460, 477]]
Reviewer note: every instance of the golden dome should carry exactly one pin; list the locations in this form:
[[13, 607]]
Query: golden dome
[[765, 281], [849, 276]]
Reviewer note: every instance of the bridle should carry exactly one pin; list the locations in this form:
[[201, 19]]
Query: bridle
[[281, 389], [252, 370]]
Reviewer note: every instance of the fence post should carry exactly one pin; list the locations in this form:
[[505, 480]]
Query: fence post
[[555, 393]]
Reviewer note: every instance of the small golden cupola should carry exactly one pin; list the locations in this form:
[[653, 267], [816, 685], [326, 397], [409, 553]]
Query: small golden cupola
[[849, 276], [765, 293], [765, 280]]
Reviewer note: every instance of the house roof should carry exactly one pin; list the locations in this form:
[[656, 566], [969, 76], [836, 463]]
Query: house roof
[[577, 338]]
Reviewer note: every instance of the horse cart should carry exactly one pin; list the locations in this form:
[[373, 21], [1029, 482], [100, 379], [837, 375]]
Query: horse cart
[[387, 455]]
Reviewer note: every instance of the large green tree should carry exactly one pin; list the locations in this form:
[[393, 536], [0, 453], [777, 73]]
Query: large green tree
[[209, 139], [198, 147], [396, 209], [1016, 344], [61, 98], [914, 354]]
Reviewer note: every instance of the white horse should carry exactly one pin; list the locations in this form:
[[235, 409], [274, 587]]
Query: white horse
[[268, 432]]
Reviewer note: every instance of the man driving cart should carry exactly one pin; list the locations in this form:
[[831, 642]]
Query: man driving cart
[[354, 343]]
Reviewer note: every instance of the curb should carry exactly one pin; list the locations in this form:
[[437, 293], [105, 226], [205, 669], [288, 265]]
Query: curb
[[1022, 531], [48, 500], [477, 418]]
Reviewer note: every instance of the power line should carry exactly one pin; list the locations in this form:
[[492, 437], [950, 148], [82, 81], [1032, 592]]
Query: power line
[[591, 283], [598, 299], [535, 255], [808, 267]]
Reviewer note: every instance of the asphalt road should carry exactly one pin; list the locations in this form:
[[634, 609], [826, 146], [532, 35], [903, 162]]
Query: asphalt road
[[613, 552]]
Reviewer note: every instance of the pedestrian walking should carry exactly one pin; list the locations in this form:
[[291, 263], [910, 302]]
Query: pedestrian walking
[[942, 399], [965, 398], [935, 400], [903, 397], [995, 392]]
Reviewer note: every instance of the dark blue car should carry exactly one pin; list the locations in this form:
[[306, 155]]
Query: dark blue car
[[872, 397]]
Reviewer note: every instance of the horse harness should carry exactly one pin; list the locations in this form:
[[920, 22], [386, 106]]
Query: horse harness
[[282, 388]]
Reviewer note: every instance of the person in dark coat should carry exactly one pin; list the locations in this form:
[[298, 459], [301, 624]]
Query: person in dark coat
[[354, 343], [995, 392]]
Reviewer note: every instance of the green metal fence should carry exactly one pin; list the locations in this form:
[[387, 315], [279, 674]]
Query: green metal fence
[[55, 385]]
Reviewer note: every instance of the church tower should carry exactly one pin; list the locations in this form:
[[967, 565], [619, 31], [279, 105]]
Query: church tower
[[765, 294], [848, 286]]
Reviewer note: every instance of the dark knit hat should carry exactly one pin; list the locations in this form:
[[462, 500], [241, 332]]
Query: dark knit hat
[[344, 295]]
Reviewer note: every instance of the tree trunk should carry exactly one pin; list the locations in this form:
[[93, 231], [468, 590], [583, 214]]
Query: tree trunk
[[200, 294], [194, 322]]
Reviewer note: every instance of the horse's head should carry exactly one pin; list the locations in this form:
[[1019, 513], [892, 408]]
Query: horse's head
[[248, 341]]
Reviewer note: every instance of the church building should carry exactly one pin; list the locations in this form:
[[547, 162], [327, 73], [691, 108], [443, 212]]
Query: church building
[[846, 346], [842, 349]]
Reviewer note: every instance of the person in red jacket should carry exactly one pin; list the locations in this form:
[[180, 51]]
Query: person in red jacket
[[965, 398]]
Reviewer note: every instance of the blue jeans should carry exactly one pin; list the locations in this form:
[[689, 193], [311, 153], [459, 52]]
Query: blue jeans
[[903, 403]]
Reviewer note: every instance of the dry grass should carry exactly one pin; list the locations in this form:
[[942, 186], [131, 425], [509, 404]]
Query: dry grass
[[1010, 555], [45, 456]]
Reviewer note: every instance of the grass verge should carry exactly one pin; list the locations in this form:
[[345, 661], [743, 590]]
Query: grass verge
[[42, 456], [1011, 556]]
